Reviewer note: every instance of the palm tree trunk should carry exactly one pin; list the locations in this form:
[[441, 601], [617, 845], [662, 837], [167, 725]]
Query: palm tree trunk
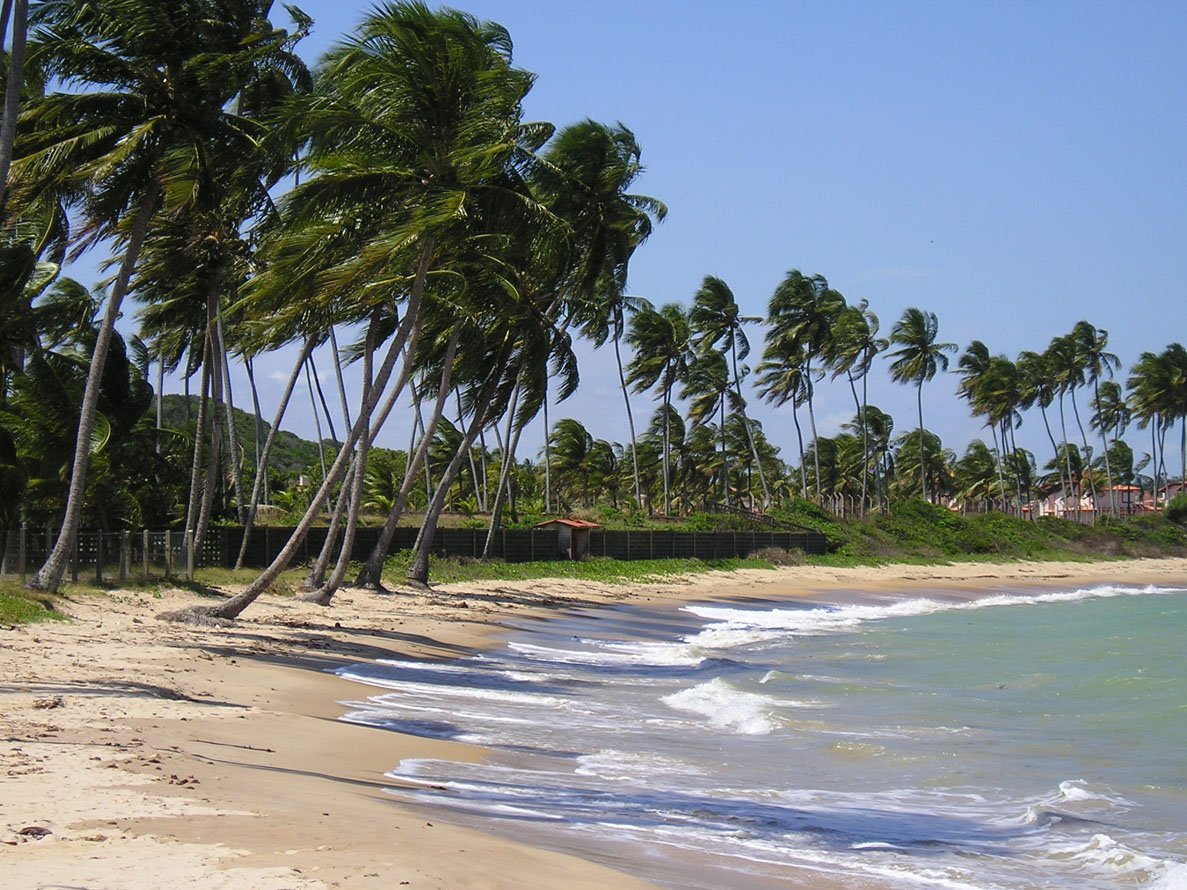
[[338, 377], [1087, 452], [1001, 477], [922, 461], [191, 513], [371, 575], [215, 358], [233, 607], [667, 451], [865, 443], [325, 407], [232, 433], [630, 420], [324, 595], [1054, 447], [418, 571], [1067, 457], [257, 414], [815, 439], [547, 450], [12, 94], [317, 572], [1104, 441], [799, 437], [160, 396], [262, 460], [321, 453], [508, 461], [49, 577]]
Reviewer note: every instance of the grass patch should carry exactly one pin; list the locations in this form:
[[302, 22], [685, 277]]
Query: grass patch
[[21, 606], [600, 569]]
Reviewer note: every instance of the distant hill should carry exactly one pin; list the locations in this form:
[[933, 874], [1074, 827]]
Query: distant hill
[[290, 454]]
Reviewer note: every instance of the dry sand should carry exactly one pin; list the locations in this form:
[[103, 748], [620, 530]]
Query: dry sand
[[140, 754]]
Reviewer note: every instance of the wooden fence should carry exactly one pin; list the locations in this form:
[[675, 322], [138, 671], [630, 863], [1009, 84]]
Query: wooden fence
[[114, 555]]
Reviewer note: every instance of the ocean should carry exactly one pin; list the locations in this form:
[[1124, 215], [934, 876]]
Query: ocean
[[1022, 739]]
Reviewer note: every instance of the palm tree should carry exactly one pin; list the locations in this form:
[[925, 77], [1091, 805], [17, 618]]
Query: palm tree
[[1158, 395], [854, 346], [716, 319], [918, 358], [1091, 342], [662, 340], [708, 389], [1036, 386], [1062, 360], [802, 314], [415, 131], [572, 454], [588, 169], [19, 10], [156, 80], [782, 380]]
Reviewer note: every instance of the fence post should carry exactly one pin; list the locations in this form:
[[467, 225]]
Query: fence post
[[144, 538], [168, 552], [189, 556], [98, 557], [651, 543], [21, 543], [125, 553]]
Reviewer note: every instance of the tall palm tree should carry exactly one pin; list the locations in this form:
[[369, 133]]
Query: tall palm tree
[[415, 130], [854, 346], [1158, 396], [917, 360], [155, 81], [19, 11], [1036, 387], [588, 170], [1091, 343], [662, 340], [708, 390], [782, 380], [801, 317], [1062, 359], [717, 319]]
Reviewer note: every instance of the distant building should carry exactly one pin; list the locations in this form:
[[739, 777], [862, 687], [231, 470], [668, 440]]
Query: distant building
[[572, 536]]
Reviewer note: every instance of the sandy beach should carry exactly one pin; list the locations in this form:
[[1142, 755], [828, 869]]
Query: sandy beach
[[141, 754]]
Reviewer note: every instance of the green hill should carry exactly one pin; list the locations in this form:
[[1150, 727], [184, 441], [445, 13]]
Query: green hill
[[290, 454]]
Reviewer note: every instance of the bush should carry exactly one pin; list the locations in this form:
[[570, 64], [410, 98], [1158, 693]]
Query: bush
[[1176, 510], [778, 556]]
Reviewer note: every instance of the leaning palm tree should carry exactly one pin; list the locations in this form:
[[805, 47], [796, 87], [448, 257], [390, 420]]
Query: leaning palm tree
[[917, 360], [708, 390], [662, 340], [717, 319], [587, 171], [1091, 343], [802, 314], [155, 82], [854, 346]]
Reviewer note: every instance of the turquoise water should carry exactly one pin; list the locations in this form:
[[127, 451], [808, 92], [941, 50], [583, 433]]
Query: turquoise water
[[1024, 740]]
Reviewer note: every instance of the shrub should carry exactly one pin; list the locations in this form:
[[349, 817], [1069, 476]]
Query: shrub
[[1176, 510], [778, 556]]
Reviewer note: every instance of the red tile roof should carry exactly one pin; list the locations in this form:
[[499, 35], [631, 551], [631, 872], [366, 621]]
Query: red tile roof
[[571, 523]]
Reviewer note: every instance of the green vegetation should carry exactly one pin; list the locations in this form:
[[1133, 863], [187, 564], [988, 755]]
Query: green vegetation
[[20, 606], [464, 251], [606, 571]]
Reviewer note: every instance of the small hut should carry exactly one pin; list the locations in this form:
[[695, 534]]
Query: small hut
[[572, 536]]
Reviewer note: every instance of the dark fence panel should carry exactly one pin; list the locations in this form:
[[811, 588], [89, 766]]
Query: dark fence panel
[[112, 554]]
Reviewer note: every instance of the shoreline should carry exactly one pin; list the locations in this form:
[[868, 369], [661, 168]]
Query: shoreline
[[140, 753]]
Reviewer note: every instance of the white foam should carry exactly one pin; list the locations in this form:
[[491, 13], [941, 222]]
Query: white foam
[[624, 766], [738, 627], [612, 653], [1174, 878], [727, 707]]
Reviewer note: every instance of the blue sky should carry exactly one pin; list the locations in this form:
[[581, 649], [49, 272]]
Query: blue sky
[[1013, 167]]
